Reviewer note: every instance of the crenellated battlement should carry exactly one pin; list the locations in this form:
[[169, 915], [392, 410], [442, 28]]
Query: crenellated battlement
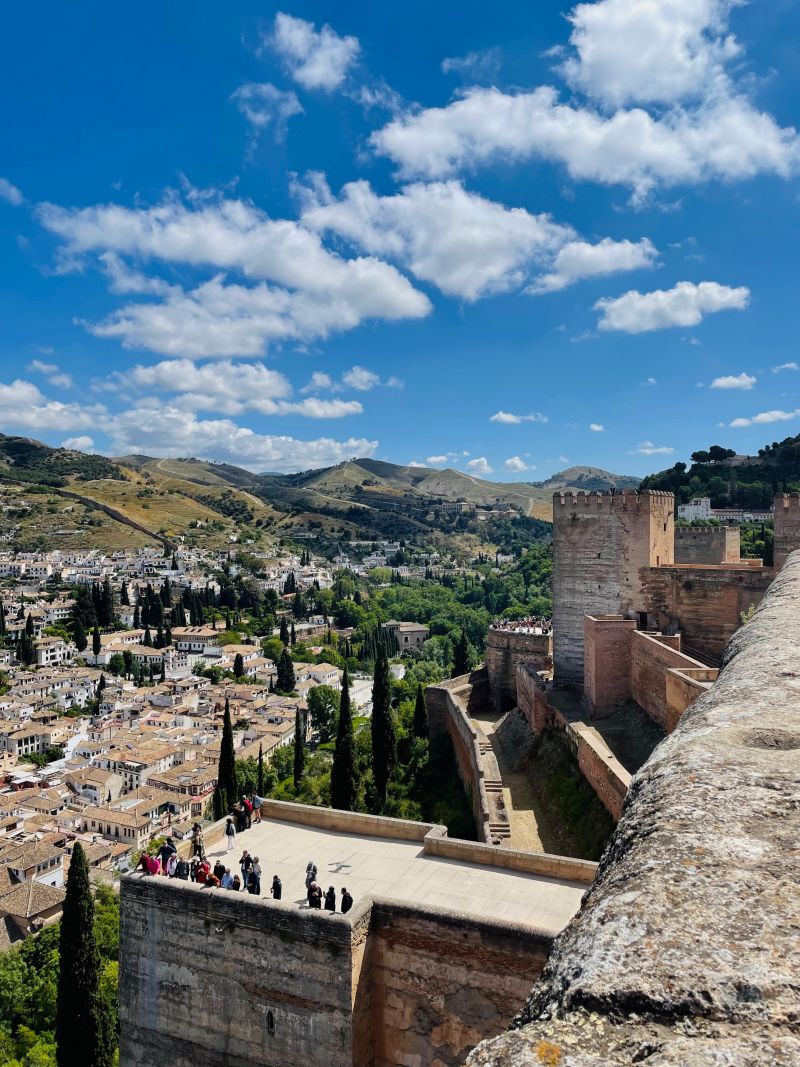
[[624, 500], [787, 501]]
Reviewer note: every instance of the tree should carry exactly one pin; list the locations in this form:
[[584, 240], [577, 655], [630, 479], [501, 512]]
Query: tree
[[284, 632], [461, 661], [96, 643], [420, 714], [79, 636], [285, 673], [124, 598], [344, 775], [82, 1023], [226, 775], [29, 630], [238, 665], [384, 732], [292, 636], [323, 707], [260, 778], [299, 749]]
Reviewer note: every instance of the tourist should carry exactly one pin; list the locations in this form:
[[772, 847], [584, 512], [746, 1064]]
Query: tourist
[[277, 887], [238, 814], [347, 901], [182, 869], [314, 896], [212, 882], [230, 834], [257, 802], [330, 899], [254, 884], [193, 868], [237, 883], [226, 881], [203, 872], [198, 845], [172, 863], [219, 869], [165, 852], [311, 873], [153, 866], [245, 863], [248, 812]]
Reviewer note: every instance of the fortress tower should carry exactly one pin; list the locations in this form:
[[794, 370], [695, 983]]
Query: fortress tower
[[603, 545], [787, 526]]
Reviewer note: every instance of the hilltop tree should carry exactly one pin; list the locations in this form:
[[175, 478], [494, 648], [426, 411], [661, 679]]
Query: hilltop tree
[[461, 661], [344, 775], [96, 643], [420, 715], [225, 791], [285, 672], [384, 731], [83, 1031], [299, 749]]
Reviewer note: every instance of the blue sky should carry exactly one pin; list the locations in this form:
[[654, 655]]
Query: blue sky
[[500, 237]]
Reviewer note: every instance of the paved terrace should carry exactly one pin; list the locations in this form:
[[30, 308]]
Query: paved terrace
[[404, 870]]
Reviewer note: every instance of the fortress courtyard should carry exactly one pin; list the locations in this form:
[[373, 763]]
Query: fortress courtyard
[[400, 870]]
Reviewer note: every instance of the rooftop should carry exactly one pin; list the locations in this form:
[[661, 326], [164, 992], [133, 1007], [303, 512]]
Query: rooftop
[[401, 870]]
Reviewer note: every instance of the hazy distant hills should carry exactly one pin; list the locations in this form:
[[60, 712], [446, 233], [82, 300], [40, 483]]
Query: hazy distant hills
[[211, 502]]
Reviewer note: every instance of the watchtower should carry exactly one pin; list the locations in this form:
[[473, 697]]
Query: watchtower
[[787, 526], [603, 543]]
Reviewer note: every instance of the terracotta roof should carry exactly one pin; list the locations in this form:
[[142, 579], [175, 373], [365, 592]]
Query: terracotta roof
[[31, 899]]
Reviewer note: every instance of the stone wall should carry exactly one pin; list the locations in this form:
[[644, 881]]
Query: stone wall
[[505, 650], [705, 603], [224, 980], [606, 665], [599, 766], [603, 545], [686, 949], [684, 686], [787, 526], [707, 544], [653, 656]]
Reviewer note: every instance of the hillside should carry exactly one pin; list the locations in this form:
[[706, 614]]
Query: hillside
[[590, 479]]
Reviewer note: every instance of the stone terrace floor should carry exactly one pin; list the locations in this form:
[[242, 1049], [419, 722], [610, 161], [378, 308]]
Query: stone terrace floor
[[399, 870]]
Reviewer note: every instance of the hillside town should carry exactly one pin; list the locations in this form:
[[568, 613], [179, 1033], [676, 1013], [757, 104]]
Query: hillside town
[[117, 742]]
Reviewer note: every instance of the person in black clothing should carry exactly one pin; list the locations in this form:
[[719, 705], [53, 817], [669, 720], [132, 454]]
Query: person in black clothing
[[219, 870], [277, 887], [347, 901], [182, 870], [314, 896], [330, 899]]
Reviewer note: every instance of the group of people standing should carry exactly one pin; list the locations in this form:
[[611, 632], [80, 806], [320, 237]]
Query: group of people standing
[[315, 896]]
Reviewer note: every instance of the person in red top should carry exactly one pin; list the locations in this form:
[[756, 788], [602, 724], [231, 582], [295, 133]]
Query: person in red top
[[203, 872]]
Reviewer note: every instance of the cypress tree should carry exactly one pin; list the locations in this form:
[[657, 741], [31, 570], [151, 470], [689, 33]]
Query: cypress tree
[[219, 802], [260, 776], [284, 632], [148, 637], [29, 625], [285, 672], [420, 715], [2, 621], [82, 1025], [163, 676], [226, 775], [292, 636], [124, 599], [79, 636], [344, 775], [137, 616], [299, 749], [96, 643], [384, 734], [238, 665], [461, 661]]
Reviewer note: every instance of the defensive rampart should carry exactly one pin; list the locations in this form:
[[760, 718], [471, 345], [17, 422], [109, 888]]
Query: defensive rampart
[[505, 650], [707, 544], [686, 948]]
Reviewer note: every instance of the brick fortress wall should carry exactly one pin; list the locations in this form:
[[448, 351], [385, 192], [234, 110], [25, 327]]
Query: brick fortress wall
[[505, 649]]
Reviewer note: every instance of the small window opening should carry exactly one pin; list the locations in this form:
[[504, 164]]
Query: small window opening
[[270, 1022]]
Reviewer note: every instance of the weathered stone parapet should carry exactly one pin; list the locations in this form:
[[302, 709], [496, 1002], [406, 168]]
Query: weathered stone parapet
[[687, 948], [505, 651]]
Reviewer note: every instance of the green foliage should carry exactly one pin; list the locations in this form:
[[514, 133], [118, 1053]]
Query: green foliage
[[285, 673], [226, 774], [83, 1027], [384, 735], [299, 748], [420, 726], [323, 708], [344, 776], [35, 463]]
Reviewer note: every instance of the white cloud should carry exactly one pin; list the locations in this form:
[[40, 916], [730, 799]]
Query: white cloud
[[445, 458], [579, 259], [170, 431], [785, 366], [671, 55], [23, 406], [479, 465], [597, 427], [649, 51], [647, 448], [316, 59], [263, 105], [415, 463], [515, 463], [358, 378], [765, 417], [512, 420], [319, 381], [649, 381], [316, 292], [10, 193], [226, 388], [683, 305], [79, 444], [60, 379], [483, 66], [734, 381], [464, 244]]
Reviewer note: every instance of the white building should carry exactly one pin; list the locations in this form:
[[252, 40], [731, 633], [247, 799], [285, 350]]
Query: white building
[[700, 508]]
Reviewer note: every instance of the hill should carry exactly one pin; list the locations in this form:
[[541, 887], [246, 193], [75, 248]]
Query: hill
[[590, 479]]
